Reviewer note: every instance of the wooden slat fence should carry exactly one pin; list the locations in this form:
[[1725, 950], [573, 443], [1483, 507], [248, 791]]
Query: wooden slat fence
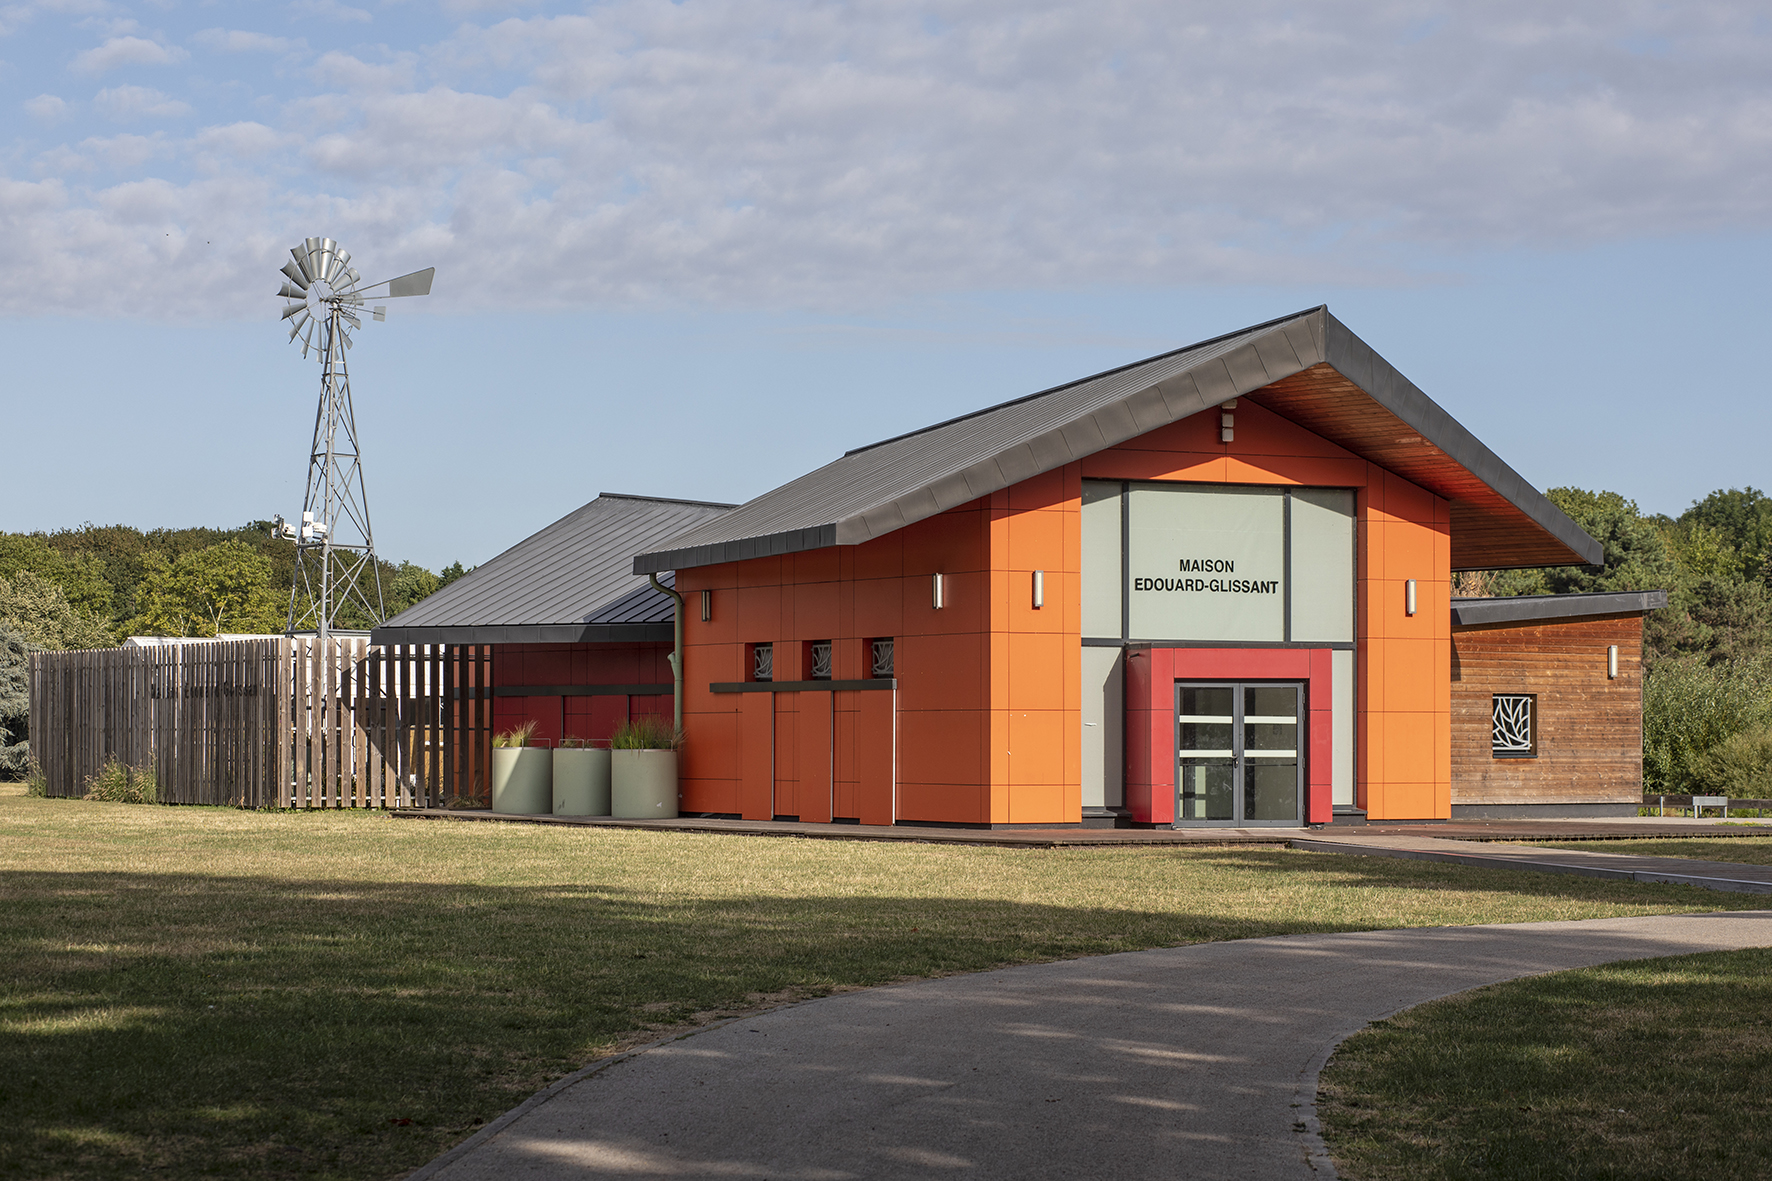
[[269, 723]]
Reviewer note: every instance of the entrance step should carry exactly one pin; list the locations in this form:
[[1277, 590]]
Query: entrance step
[[1347, 814]]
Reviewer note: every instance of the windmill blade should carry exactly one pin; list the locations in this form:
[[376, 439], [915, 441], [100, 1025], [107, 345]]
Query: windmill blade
[[291, 291], [294, 308], [327, 248], [297, 326], [340, 265], [295, 275], [300, 255]]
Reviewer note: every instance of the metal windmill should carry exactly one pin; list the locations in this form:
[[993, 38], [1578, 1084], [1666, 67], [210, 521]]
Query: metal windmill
[[334, 548]]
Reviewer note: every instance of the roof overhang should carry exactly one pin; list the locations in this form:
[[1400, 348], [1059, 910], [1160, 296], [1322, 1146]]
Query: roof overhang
[[1308, 368], [1544, 608]]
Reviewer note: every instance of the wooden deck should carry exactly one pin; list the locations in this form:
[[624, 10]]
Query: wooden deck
[[1050, 838]]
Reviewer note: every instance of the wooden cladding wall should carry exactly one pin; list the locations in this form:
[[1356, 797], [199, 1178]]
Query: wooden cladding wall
[[269, 723], [1590, 729]]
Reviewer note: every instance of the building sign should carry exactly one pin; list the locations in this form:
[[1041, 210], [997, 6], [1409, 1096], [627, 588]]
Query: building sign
[[1206, 563], [1211, 563]]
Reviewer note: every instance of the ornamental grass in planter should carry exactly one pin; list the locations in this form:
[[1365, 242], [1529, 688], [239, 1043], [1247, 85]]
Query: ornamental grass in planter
[[643, 770], [581, 778], [522, 774]]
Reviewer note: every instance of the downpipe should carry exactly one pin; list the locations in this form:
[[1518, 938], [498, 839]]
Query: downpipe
[[676, 656]]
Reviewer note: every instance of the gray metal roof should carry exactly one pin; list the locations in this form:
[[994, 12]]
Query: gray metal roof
[[572, 582], [877, 489], [1527, 608]]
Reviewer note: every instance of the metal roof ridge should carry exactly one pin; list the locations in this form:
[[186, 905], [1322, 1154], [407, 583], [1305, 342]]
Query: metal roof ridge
[[1187, 348], [663, 499]]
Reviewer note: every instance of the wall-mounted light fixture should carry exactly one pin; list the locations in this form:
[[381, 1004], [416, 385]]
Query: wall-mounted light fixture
[[707, 605], [938, 592], [1612, 662], [1409, 597], [1039, 589], [1227, 422]]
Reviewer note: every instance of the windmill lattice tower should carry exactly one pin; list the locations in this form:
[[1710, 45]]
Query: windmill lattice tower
[[335, 548]]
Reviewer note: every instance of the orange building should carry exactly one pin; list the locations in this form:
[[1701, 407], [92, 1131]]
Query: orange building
[[1209, 588]]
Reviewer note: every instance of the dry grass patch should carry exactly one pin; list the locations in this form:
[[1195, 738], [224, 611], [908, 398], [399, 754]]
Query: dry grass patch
[[208, 992], [1655, 1068]]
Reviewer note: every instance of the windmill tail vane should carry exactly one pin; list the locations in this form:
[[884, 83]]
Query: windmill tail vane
[[337, 578]]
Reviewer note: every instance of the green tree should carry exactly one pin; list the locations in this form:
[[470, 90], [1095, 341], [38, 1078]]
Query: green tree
[[37, 609], [220, 588], [1743, 516], [15, 704], [410, 584], [80, 577]]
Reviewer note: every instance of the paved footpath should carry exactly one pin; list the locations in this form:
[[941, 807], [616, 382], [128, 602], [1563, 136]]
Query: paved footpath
[[1728, 876], [1190, 1062]]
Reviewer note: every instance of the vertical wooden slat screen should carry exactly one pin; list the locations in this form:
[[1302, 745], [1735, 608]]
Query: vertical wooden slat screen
[[270, 723]]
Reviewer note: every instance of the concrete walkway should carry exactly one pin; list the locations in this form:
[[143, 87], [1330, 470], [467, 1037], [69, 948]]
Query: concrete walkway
[[1193, 1062], [1728, 876]]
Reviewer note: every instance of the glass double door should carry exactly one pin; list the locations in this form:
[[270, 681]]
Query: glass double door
[[1239, 753]]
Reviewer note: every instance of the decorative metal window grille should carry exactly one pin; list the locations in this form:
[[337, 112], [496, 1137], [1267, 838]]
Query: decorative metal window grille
[[882, 658], [763, 662], [821, 660], [1514, 725]]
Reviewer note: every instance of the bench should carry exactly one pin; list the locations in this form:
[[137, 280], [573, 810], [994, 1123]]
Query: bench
[[1698, 803]]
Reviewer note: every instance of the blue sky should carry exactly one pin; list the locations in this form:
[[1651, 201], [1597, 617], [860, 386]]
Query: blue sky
[[696, 249]]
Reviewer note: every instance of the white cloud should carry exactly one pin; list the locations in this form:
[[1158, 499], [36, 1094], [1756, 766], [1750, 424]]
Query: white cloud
[[48, 107], [343, 71], [138, 102], [242, 41], [329, 10], [748, 152], [126, 51]]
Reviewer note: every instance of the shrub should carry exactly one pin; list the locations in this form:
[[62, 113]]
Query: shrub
[[118, 784], [36, 783], [1689, 708], [1741, 765], [646, 732]]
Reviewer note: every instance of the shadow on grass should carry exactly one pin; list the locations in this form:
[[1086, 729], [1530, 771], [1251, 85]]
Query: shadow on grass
[[228, 1026]]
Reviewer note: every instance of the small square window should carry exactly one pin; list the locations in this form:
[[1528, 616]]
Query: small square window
[[821, 660], [1513, 730], [762, 662], [880, 658]]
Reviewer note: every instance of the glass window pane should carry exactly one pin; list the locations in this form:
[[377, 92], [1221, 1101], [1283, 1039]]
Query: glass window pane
[[1101, 559], [1270, 789], [1263, 736], [1207, 789], [1270, 701], [1213, 736], [1322, 565], [1212, 701]]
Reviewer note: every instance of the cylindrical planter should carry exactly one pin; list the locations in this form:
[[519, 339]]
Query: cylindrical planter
[[581, 781], [522, 780], [643, 784]]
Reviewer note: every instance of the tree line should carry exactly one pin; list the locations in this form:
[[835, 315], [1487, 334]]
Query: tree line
[[94, 586], [1707, 691]]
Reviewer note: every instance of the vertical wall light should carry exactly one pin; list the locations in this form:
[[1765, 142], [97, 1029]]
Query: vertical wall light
[[1409, 597], [938, 592], [1039, 589], [707, 605], [1612, 662]]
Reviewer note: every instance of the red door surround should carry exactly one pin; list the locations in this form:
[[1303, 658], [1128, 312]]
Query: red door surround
[[1151, 674]]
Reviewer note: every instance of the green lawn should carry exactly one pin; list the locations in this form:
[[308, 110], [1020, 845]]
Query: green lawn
[[1653, 1069], [1741, 850], [208, 992]]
